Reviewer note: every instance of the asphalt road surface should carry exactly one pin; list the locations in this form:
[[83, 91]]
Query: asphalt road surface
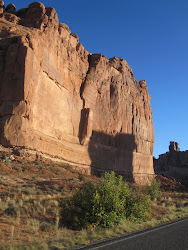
[[172, 236]]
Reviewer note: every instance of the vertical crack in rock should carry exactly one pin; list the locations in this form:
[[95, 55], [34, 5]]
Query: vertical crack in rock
[[84, 82], [86, 120]]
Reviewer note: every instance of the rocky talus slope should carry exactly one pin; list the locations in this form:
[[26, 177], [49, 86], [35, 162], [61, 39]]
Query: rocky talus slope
[[58, 99]]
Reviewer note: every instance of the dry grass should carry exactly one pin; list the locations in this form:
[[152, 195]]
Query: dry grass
[[30, 194]]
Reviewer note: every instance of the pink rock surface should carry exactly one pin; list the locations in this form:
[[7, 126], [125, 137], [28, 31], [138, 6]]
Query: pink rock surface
[[58, 99]]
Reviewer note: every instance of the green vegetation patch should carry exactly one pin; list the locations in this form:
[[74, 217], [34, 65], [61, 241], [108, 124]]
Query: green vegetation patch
[[104, 203]]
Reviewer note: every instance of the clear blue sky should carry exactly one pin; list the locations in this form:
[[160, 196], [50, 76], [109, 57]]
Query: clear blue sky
[[152, 36]]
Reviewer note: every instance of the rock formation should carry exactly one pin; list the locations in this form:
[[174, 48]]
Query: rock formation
[[173, 163], [58, 99]]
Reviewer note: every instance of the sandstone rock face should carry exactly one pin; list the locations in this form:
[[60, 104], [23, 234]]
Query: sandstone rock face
[[58, 99], [173, 163]]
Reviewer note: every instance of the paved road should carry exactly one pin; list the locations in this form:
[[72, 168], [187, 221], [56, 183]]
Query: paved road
[[169, 237]]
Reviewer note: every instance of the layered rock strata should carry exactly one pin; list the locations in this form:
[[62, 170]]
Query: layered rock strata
[[58, 99]]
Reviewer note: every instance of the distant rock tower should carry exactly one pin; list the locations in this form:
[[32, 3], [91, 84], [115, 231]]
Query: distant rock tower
[[174, 146], [173, 163]]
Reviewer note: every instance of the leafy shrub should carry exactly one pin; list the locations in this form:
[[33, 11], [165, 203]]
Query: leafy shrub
[[154, 189], [104, 203]]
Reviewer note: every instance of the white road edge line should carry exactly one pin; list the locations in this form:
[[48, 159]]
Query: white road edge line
[[134, 236]]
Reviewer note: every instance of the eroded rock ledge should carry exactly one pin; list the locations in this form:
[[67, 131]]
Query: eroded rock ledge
[[57, 98]]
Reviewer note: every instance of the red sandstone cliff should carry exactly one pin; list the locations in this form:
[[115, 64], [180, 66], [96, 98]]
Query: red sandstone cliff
[[58, 99]]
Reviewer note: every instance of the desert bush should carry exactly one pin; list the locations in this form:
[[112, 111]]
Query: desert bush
[[186, 204], [46, 227], [178, 205], [82, 177], [154, 189], [104, 203], [28, 190], [12, 210], [56, 187], [34, 224], [25, 168]]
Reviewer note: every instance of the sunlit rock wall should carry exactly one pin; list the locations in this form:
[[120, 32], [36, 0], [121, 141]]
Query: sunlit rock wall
[[58, 99]]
